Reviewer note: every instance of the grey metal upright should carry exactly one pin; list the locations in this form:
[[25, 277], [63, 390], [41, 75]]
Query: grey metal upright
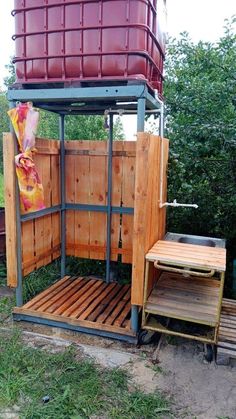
[[19, 288], [109, 197], [63, 197]]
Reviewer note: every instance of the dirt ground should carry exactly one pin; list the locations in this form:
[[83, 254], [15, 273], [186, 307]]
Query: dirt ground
[[178, 369]]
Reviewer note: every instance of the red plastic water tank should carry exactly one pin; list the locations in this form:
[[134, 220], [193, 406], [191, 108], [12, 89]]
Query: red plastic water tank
[[89, 40]]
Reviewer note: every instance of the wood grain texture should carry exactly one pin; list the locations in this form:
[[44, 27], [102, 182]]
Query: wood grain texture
[[84, 302], [149, 218], [190, 299], [182, 254], [10, 208]]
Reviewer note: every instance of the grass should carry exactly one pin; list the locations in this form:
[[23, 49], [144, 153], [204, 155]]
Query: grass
[[76, 389]]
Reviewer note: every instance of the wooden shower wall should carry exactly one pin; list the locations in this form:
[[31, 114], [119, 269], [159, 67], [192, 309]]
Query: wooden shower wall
[[135, 185]]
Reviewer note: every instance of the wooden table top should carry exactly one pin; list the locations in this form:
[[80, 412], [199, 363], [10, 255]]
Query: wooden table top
[[189, 255]]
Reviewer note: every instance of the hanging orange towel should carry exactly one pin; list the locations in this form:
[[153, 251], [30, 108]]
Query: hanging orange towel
[[24, 119]]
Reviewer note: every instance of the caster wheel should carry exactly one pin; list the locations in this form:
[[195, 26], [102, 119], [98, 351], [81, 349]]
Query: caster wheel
[[209, 352], [146, 337]]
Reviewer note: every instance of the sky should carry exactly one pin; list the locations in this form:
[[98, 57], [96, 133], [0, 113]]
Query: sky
[[203, 19]]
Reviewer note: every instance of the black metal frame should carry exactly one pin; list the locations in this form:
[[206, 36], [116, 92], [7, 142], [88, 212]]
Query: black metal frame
[[134, 98]]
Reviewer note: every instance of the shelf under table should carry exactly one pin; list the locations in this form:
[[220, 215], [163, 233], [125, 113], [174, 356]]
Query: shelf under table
[[186, 298]]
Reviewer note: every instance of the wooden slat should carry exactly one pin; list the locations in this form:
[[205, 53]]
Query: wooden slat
[[55, 179], [28, 243], [107, 289], [75, 297], [125, 312], [98, 196], [88, 301], [10, 208], [120, 306], [140, 217], [47, 292], [105, 303], [148, 217], [192, 299], [109, 309], [70, 198], [84, 298], [47, 187], [117, 175], [82, 196], [128, 185], [195, 256]]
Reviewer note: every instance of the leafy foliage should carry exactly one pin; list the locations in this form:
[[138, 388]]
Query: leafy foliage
[[200, 91]]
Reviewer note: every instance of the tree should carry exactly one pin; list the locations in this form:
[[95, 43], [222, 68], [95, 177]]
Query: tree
[[200, 92]]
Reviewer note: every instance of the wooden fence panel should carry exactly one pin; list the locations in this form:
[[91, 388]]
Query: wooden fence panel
[[136, 183], [128, 185], [10, 208], [149, 218]]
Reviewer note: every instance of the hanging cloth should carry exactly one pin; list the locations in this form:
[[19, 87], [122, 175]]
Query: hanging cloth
[[24, 119]]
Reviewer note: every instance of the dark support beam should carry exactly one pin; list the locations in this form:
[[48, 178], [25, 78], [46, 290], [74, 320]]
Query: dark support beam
[[19, 288], [109, 198], [63, 198]]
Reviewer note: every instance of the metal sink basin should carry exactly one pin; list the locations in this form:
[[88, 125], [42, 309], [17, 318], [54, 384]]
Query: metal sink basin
[[199, 240]]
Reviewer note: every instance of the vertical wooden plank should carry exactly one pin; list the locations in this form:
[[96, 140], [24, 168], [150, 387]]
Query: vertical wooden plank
[[27, 242], [10, 208], [128, 185], [39, 223], [98, 196], [116, 197], [47, 219], [140, 217], [55, 178], [70, 199], [162, 218], [82, 192]]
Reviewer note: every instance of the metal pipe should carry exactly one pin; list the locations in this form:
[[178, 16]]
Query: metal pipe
[[63, 206], [141, 109], [134, 318], [109, 197], [19, 288], [177, 204]]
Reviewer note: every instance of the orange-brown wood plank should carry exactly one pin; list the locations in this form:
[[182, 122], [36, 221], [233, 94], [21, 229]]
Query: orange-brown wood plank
[[87, 284], [88, 301], [55, 179], [108, 288], [84, 299], [63, 297], [140, 217], [47, 293], [128, 185], [105, 303], [120, 306], [112, 305], [123, 315], [28, 243], [70, 198], [116, 197], [98, 196], [47, 219], [82, 196], [39, 222], [10, 208]]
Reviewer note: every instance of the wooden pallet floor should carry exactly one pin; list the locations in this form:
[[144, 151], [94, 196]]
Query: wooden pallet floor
[[83, 302], [226, 346], [192, 299]]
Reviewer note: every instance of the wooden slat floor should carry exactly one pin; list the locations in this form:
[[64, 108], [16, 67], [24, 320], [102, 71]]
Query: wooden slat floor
[[85, 302], [192, 299], [226, 345]]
